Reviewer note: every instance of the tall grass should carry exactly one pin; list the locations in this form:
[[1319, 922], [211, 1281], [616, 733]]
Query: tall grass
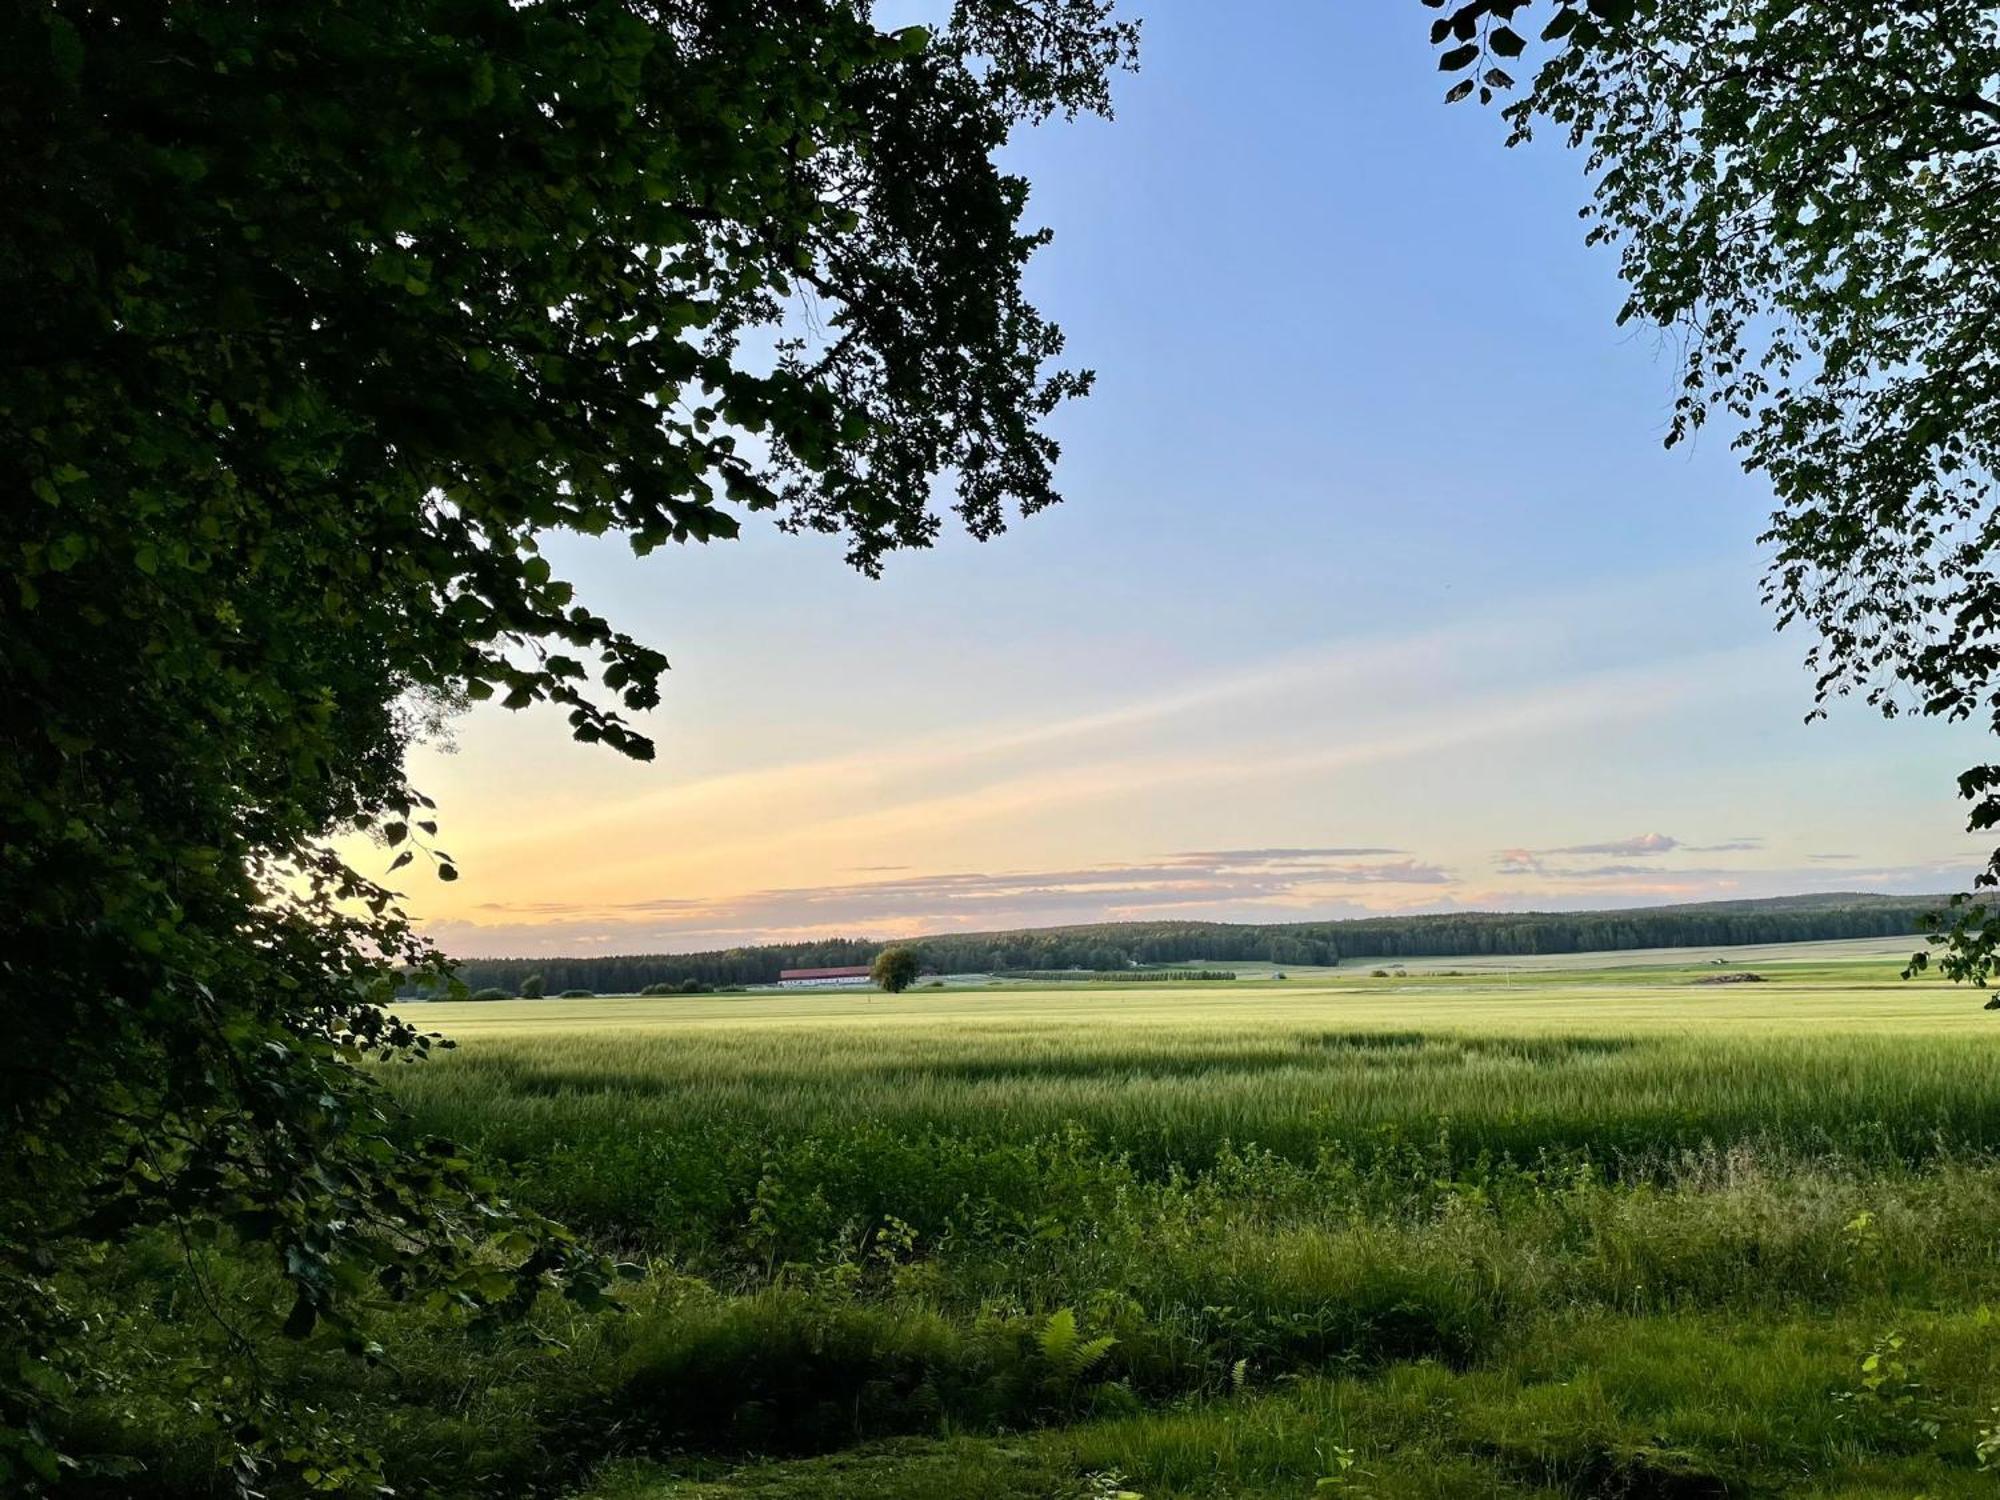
[[661, 1136], [1398, 1256]]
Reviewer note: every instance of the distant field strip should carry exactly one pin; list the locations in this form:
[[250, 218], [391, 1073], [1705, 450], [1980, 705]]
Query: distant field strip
[[1803, 994]]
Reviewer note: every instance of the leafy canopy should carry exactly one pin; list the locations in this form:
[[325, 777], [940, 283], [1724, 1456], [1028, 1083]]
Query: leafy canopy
[[896, 968], [1807, 197], [321, 318]]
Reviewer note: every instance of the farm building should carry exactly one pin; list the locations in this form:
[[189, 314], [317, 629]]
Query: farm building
[[799, 979]]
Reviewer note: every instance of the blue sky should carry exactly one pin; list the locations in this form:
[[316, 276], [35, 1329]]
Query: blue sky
[[1375, 589]]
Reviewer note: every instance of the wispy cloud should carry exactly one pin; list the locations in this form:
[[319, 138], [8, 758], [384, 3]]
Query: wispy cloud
[[1014, 767], [1556, 861], [1638, 843], [689, 862], [1553, 861]]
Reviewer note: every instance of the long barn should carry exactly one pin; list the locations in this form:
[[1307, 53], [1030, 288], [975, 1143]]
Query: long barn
[[799, 979]]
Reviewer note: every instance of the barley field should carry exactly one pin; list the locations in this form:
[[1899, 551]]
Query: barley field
[[1620, 1224], [1554, 1228], [614, 1105]]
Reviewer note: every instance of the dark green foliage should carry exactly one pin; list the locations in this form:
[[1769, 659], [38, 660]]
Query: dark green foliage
[[633, 973], [532, 987], [1804, 196], [1782, 919], [896, 968], [320, 318], [1116, 946], [1647, 1407], [491, 992]]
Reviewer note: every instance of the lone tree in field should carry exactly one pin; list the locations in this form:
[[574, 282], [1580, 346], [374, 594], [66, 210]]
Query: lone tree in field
[[1806, 197], [896, 968], [319, 321], [532, 987]]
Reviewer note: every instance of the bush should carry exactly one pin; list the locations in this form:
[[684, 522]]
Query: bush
[[577, 995], [491, 992]]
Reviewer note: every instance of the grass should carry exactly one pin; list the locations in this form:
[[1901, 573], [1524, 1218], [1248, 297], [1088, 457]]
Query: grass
[[1586, 1229], [658, 1120]]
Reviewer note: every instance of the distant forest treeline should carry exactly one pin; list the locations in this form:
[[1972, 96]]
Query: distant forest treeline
[[1117, 945]]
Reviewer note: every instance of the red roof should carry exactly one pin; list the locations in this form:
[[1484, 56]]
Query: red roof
[[852, 971]]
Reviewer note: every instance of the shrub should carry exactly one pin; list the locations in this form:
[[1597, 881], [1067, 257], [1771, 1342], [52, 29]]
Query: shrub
[[577, 995], [491, 992]]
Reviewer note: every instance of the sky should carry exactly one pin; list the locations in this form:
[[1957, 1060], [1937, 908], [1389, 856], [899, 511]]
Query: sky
[[1374, 589]]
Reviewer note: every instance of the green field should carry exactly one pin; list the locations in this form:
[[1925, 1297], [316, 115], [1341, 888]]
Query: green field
[[1569, 1228]]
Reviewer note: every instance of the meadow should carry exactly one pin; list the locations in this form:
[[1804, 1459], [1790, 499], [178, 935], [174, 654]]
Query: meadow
[[1556, 1229]]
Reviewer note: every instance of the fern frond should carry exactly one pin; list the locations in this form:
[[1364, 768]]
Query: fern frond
[[1058, 1338], [1090, 1355]]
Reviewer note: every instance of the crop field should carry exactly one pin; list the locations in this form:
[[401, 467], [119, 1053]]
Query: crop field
[[1583, 1228]]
